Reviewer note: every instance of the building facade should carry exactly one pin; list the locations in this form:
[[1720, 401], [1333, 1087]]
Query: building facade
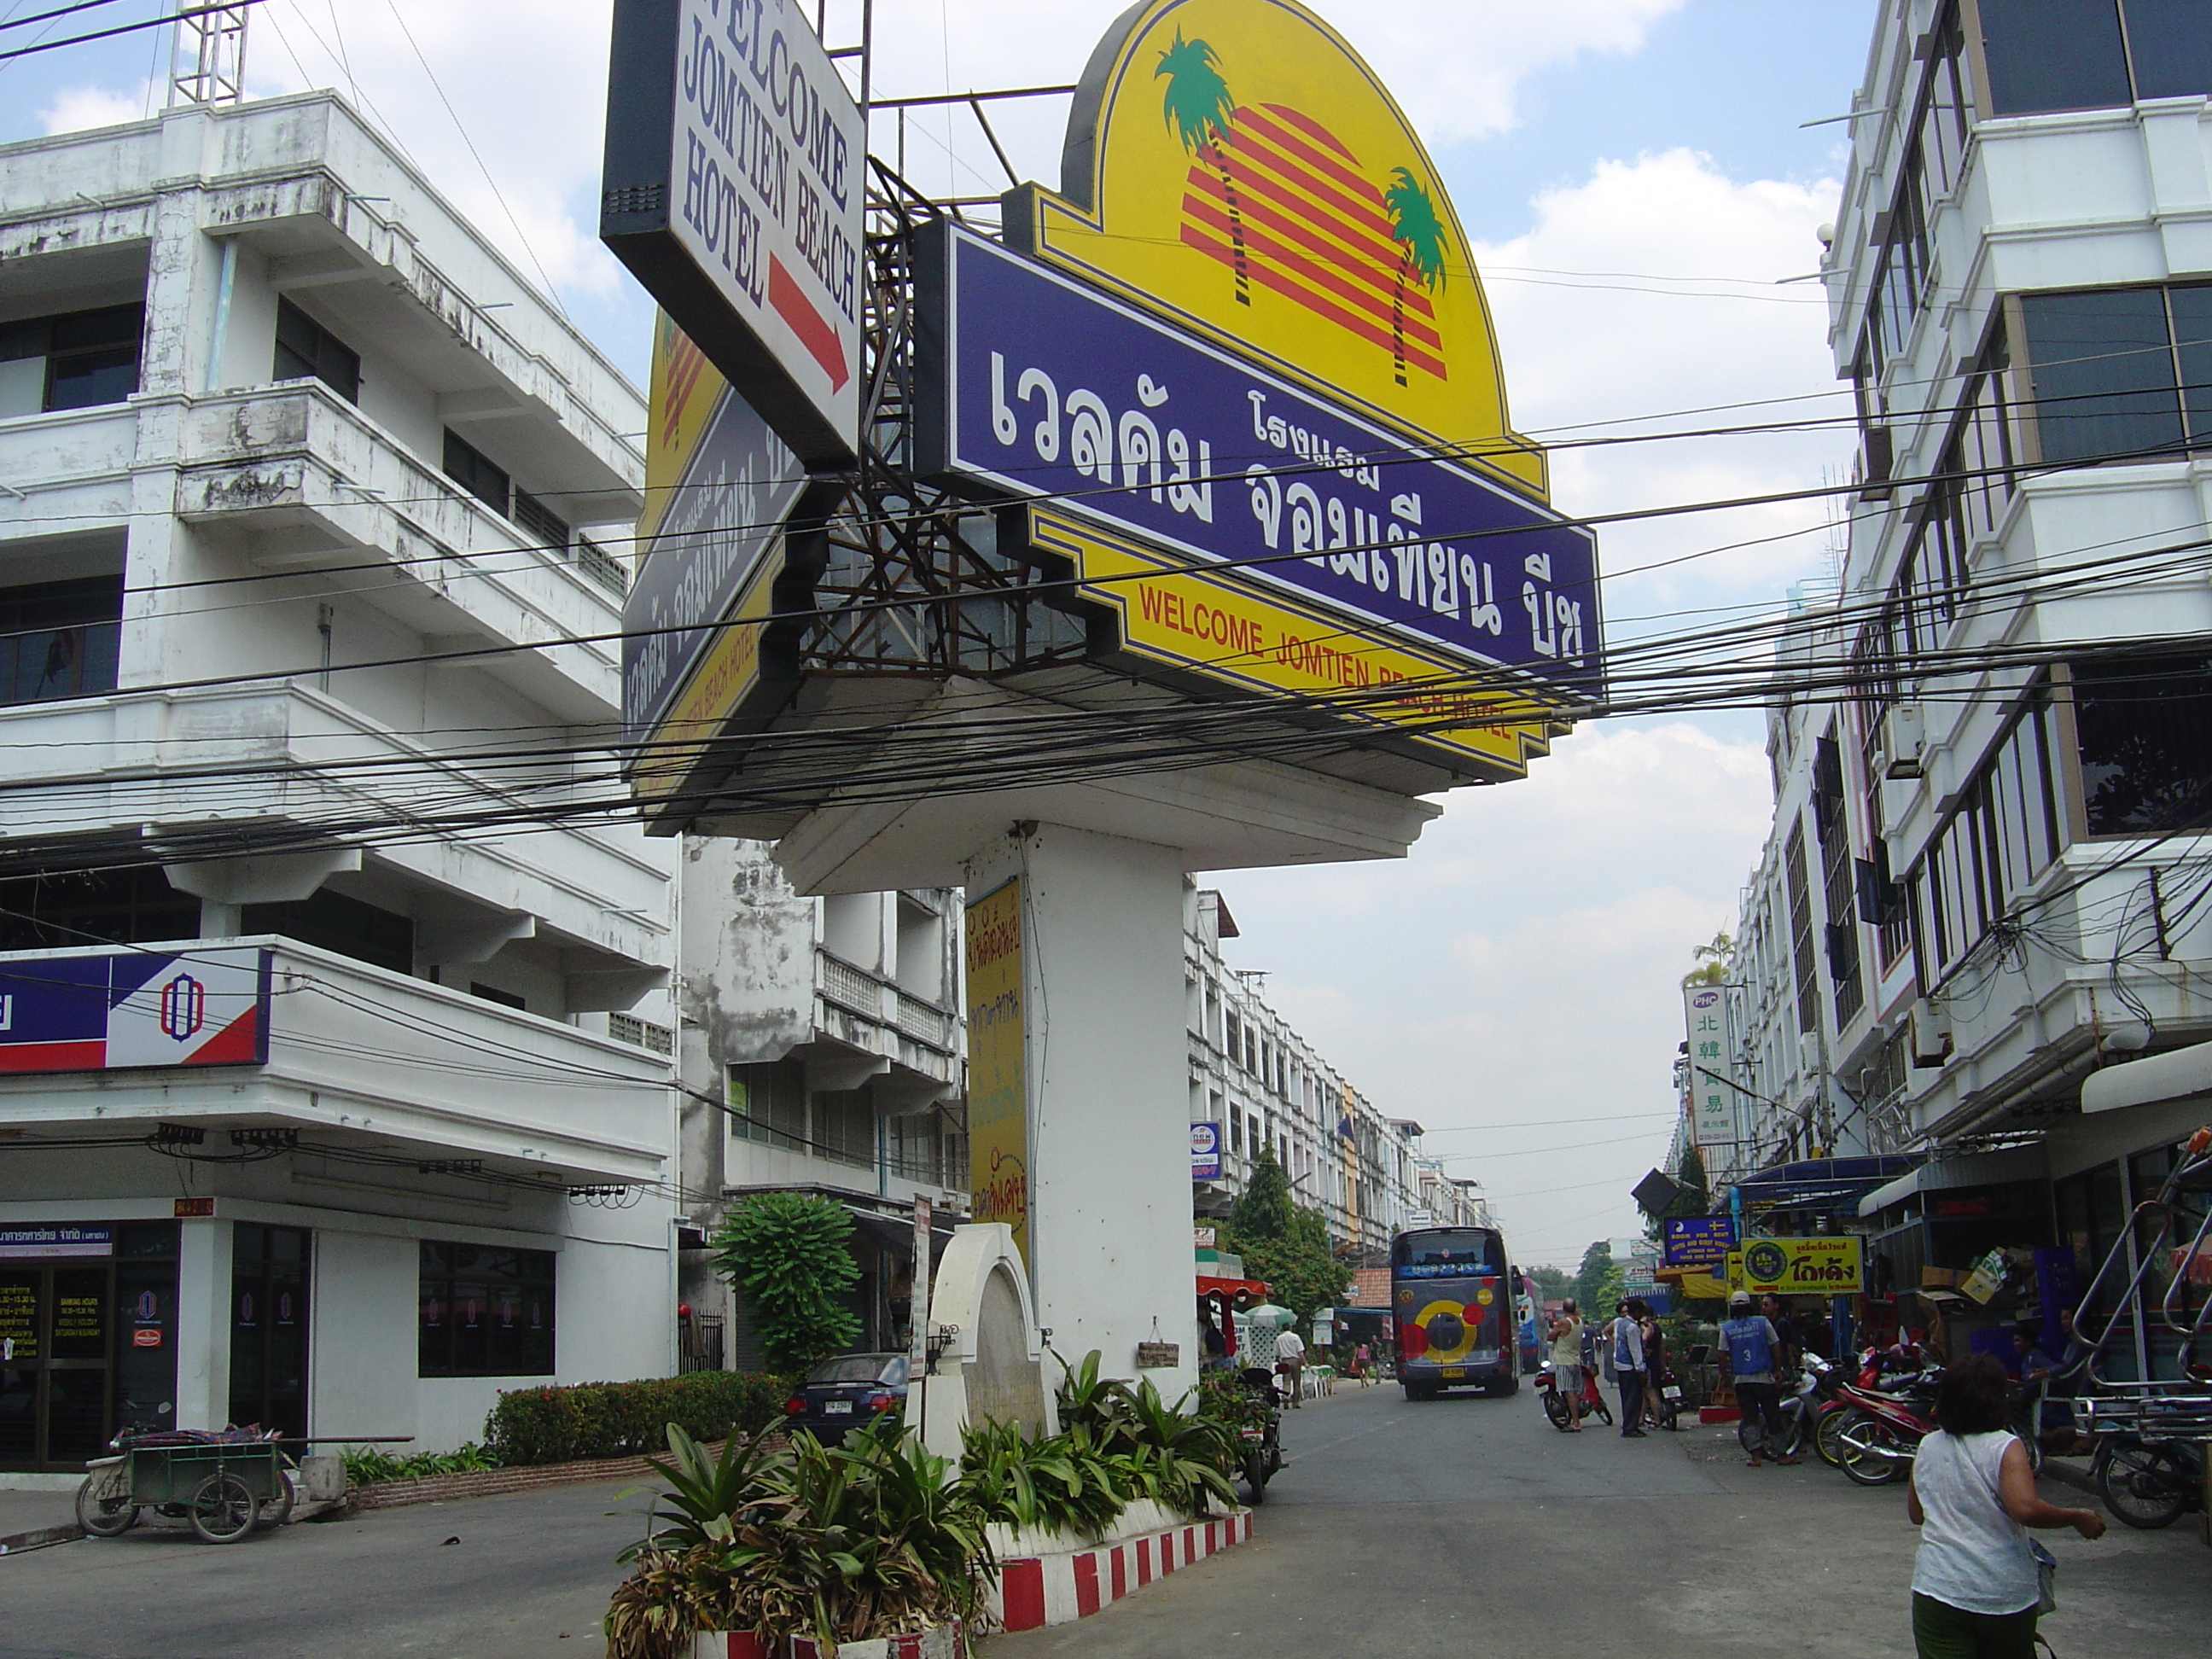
[[327, 1096], [1983, 900], [823, 1050]]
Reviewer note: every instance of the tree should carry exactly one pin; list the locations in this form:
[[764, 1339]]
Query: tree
[[1590, 1278], [1199, 107], [1419, 232], [1553, 1283], [1712, 960], [786, 1252], [1285, 1244]]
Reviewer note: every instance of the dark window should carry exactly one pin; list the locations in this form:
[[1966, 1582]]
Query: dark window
[[467, 466], [2170, 42], [541, 521], [485, 1312], [767, 1104], [2046, 55], [268, 1327], [1801, 930], [89, 357], [2144, 725], [1838, 879], [65, 911], [2101, 366], [2002, 835], [331, 921], [60, 639], [306, 349], [493, 993]]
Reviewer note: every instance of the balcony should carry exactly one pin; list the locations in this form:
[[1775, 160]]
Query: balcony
[[380, 1077], [868, 1012]]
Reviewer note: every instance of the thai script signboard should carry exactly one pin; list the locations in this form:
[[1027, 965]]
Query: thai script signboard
[[1798, 1267], [130, 1008], [57, 1239], [998, 1061]]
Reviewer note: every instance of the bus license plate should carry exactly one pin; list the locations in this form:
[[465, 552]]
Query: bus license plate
[[1453, 1371], [1670, 1392], [837, 1408]]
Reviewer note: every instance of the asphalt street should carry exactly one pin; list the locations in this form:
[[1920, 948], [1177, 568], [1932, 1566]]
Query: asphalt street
[[1467, 1526]]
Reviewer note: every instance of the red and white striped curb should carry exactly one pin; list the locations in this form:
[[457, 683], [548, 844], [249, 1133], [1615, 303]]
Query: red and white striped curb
[[946, 1641], [1038, 1591]]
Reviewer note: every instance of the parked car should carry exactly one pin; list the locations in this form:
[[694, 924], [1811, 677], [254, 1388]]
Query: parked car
[[848, 1392]]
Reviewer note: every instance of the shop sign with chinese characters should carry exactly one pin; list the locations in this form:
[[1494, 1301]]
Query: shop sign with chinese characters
[[1712, 1095]]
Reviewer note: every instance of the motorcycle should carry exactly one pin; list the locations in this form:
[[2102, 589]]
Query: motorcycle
[[1261, 1444], [1555, 1404], [1801, 1407], [2148, 1483], [1880, 1436]]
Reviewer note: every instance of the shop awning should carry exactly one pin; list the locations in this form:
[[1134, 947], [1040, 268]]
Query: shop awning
[[1832, 1186], [1970, 1169], [2178, 1075], [1255, 1287]]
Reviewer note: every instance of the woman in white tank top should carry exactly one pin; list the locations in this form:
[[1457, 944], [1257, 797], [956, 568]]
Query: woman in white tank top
[[1972, 1495]]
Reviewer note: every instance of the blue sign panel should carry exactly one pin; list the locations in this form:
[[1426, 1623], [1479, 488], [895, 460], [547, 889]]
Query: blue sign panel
[[102, 1011], [1206, 1151], [1700, 1241], [17, 1243], [1041, 386]]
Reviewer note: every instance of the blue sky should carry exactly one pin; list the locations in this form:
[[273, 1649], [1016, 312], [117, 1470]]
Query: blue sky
[[1519, 968]]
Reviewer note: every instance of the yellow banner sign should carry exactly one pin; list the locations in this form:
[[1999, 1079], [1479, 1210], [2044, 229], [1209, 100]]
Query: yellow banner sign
[[1222, 628], [1798, 1267], [998, 1080], [1235, 165], [726, 673]]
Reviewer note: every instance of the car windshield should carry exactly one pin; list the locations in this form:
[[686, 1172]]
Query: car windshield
[[1469, 1250], [862, 1368]]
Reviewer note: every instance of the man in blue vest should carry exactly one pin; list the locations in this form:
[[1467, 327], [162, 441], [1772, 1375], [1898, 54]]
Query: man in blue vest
[[1753, 1346]]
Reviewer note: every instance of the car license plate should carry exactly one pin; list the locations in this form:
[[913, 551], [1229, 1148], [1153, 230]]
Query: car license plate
[[1670, 1394], [837, 1408], [1453, 1371]]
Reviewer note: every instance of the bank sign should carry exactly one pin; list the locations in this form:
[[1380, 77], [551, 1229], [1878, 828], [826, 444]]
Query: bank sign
[[1040, 385], [105, 1012]]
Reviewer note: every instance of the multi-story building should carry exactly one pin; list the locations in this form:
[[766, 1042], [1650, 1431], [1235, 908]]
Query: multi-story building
[[327, 985], [1984, 898], [823, 1051], [1261, 1084]]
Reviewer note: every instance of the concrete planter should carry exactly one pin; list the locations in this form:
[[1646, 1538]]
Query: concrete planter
[[1055, 1586], [946, 1642]]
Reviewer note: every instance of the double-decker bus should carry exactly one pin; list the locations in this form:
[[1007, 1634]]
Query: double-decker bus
[[1452, 1292]]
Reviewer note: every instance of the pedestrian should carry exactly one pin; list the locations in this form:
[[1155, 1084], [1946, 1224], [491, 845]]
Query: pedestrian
[[1628, 1364], [1567, 1361], [1753, 1344], [1785, 1348], [1291, 1362], [1363, 1365], [1971, 1493], [1655, 1368]]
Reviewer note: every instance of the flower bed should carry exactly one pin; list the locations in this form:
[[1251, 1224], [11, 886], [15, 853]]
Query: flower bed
[[565, 1425]]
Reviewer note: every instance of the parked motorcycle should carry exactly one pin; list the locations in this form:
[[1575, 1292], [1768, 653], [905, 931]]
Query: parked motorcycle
[[2148, 1483], [1801, 1403], [1881, 1435], [1261, 1444], [1555, 1405]]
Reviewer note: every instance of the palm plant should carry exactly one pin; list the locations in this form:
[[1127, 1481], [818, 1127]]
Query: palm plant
[[1199, 107], [1419, 232]]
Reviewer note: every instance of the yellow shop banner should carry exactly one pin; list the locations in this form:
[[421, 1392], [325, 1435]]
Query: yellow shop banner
[[1798, 1267]]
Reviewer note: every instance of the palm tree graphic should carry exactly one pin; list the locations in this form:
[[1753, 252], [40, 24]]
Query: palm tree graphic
[[1419, 235], [1198, 107]]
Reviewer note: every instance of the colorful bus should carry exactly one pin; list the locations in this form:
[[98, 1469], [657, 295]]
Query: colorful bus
[[1454, 1294]]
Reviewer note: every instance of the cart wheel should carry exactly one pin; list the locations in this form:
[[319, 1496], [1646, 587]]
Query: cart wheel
[[104, 1508], [276, 1509], [222, 1509]]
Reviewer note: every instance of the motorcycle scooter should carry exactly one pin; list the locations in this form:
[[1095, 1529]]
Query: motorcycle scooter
[[1555, 1405]]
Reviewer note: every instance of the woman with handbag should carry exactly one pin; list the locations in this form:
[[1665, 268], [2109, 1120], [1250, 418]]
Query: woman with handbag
[[1978, 1584]]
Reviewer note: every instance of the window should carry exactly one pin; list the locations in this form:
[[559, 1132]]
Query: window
[[1801, 931], [94, 906], [2002, 835], [331, 921], [768, 1104], [485, 993], [308, 350], [2143, 726], [2103, 372], [80, 360], [1839, 878], [2050, 55], [1235, 1038], [642, 1033], [845, 1127], [486, 1310], [541, 521], [60, 640], [466, 465]]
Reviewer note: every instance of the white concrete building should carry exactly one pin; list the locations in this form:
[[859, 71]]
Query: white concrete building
[[1985, 893], [1261, 1085], [282, 441], [823, 1051]]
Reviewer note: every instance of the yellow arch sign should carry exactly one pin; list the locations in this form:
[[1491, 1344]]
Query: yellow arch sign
[[1235, 165]]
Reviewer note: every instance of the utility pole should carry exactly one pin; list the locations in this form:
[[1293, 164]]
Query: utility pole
[[207, 61]]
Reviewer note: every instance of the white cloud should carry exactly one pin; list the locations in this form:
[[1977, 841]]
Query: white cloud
[[76, 108], [1519, 971]]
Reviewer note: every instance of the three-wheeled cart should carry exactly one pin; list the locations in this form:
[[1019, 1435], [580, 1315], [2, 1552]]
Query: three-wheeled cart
[[224, 1488]]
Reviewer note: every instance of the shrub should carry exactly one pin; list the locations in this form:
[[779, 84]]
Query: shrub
[[367, 1465], [620, 1419], [787, 1253]]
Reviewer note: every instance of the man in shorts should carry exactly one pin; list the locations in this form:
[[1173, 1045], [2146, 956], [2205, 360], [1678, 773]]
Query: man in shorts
[[1567, 1360]]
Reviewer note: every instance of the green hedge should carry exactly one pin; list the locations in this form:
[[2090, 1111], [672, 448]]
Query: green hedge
[[621, 1419]]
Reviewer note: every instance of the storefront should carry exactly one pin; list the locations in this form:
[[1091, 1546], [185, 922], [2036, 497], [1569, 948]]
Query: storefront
[[87, 1337]]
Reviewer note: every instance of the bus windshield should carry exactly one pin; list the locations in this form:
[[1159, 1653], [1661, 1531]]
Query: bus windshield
[[1448, 1253]]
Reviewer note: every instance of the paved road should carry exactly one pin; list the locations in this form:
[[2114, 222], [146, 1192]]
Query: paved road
[[1470, 1527], [528, 1579]]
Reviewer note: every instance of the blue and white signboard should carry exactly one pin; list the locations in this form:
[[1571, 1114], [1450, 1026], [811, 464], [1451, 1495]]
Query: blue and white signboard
[[59, 1239], [130, 1008], [1206, 1151], [1700, 1241], [1043, 386]]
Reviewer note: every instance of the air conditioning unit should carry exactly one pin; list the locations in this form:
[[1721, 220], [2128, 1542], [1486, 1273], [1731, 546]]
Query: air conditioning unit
[[1930, 1030], [1901, 742], [1809, 1061]]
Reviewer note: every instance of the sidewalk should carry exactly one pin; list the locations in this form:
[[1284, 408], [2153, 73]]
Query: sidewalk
[[31, 1520]]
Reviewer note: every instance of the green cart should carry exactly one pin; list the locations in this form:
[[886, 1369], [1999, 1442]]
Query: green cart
[[224, 1488]]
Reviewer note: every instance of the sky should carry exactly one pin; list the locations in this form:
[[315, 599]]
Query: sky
[[1639, 186]]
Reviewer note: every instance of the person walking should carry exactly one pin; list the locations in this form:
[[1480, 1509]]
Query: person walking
[[1655, 1368], [1567, 1360], [1752, 1345], [1971, 1493], [1628, 1364], [1291, 1362]]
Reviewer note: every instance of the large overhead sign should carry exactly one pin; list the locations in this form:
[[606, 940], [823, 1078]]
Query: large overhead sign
[[719, 486], [90, 1013], [1234, 165], [1712, 1047], [732, 189]]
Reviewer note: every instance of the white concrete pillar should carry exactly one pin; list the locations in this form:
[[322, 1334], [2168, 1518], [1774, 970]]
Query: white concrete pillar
[[203, 1324], [1108, 1175]]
